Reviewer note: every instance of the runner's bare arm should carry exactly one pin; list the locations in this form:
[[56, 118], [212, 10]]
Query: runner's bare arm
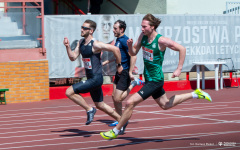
[[132, 65], [99, 46], [133, 50], [166, 42], [71, 54]]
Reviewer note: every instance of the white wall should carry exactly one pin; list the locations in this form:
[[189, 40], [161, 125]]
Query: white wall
[[151, 6], [1, 5], [134, 6], [197, 6]]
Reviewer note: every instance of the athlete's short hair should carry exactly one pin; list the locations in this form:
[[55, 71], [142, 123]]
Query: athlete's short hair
[[122, 24], [153, 21], [92, 24]]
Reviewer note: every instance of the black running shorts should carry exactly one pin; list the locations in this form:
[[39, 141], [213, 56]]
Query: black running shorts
[[154, 89], [92, 85], [122, 80]]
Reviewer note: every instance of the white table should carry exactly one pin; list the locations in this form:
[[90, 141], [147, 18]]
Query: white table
[[217, 66]]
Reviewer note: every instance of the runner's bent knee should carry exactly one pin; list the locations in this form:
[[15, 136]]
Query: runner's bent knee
[[100, 105], [130, 103], [165, 105], [69, 91], [117, 99]]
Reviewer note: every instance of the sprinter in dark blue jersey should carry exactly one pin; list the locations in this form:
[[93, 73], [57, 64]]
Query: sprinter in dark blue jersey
[[90, 50], [122, 86]]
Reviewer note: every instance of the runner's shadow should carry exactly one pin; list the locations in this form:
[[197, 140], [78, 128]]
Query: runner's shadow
[[107, 122], [134, 141], [77, 132]]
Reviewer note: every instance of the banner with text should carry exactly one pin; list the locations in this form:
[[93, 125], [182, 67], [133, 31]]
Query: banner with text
[[206, 38]]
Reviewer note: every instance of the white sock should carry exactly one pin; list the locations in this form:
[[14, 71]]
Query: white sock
[[194, 95], [116, 131], [90, 110]]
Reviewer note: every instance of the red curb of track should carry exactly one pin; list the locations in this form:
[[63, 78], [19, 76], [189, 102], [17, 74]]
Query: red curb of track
[[59, 92]]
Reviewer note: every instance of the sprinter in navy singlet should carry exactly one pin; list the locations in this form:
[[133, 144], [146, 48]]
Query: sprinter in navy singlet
[[93, 69], [90, 50]]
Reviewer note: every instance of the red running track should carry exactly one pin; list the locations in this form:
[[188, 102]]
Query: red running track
[[60, 125]]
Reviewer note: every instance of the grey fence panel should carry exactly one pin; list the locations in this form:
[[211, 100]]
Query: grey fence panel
[[206, 38]]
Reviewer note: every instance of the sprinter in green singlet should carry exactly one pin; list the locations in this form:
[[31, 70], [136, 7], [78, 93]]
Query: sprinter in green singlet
[[154, 46]]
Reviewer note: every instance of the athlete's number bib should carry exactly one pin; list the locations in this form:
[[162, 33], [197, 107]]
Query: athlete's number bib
[[87, 63], [147, 54]]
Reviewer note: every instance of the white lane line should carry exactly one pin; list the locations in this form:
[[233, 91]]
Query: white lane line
[[194, 108], [25, 123], [198, 108], [83, 117], [77, 111], [99, 116], [166, 136], [195, 102], [55, 125], [55, 107], [192, 147], [75, 117], [181, 116], [42, 108], [225, 147], [139, 129], [71, 126], [154, 112], [67, 125], [46, 119], [96, 116], [236, 121], [220, 113], [160, 140], [39, 113]]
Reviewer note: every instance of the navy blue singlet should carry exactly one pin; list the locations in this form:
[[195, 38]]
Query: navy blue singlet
[[93, 69], [92, 62]]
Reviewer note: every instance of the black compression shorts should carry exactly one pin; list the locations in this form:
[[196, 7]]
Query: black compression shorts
[[122, 80], [92, 85], [154, 89]]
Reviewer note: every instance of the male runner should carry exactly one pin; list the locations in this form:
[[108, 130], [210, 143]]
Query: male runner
[[154, 46], [121, 85], [90, 50]]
